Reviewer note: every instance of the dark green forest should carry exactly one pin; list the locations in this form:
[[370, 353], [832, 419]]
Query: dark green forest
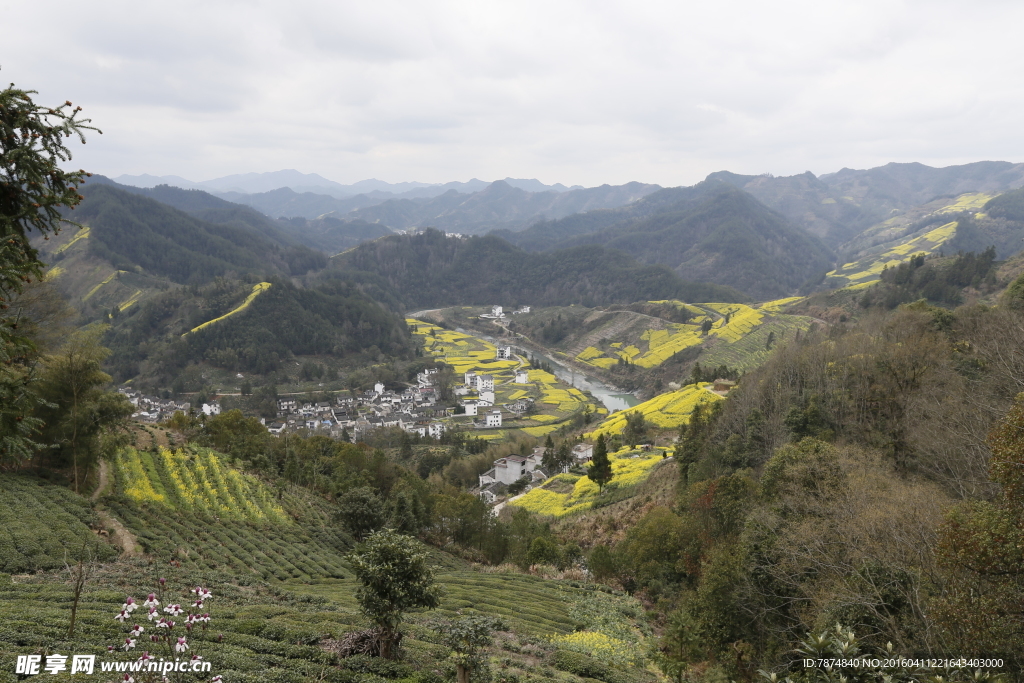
[[334, 319], [428, 269], [938, 280]]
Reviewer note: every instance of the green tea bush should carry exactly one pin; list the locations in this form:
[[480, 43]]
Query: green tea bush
[[43, 525], [580, 664]]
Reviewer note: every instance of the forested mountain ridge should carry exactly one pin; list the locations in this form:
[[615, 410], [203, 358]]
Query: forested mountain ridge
[[134, 232], [153, 272], [838, 206], [429, 269], [710, 232], [327, 234]]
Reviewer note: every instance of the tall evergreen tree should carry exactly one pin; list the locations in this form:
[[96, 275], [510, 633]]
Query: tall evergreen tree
[[600, 471], [34, 190]]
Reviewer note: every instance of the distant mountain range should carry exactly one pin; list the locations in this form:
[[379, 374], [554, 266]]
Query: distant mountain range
[[839, 206], [498, 206], [766, 236], [255, 183]]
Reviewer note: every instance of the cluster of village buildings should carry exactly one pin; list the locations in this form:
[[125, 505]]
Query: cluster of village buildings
[[514, 468], [153, 408], [416, 409]]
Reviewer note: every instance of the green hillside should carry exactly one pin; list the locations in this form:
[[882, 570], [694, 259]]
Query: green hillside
[[154, 273], [133, 232], [160, 337], [324, 233]]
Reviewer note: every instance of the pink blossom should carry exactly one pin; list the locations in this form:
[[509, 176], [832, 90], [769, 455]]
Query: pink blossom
[[202, 593], [129, 644], [130, 605], [121, 616], [162, 580], [173, 610], [146, 656], [137, 631], [151, 601], [153, 614], [217, 679], [181, 646], [128, 679]]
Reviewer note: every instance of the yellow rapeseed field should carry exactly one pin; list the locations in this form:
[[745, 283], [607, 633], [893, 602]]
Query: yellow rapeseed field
[[257, 289], [629, 468], [194, 480], [667, 410]]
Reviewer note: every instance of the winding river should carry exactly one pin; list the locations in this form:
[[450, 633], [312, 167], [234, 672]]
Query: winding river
[[613, 398]]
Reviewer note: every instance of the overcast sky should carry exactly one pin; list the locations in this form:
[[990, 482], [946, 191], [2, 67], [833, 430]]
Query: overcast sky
[[572, 92]]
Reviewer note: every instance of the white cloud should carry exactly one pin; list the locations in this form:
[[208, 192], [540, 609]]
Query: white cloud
[[573, 92]]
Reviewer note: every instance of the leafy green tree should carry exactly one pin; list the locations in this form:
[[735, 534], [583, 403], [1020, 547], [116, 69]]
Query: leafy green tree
[[543, 551], [34, 190], [233, 433], [600, 471], [361, 511], [601, 563], [467, 636], [691, 441], [677, 646], [395, 579], [78, 412], [636, 428], [405, 512]]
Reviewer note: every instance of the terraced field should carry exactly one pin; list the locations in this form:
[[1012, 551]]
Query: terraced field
[[42, 525], [263, 628], [867, 270], [530, 604], [732, 326]]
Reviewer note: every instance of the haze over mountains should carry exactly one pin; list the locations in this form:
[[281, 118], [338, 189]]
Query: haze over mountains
[[763, 235]]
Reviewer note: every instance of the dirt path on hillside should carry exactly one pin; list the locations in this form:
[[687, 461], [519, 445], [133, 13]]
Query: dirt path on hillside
[[104, 480], [121, 537]]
